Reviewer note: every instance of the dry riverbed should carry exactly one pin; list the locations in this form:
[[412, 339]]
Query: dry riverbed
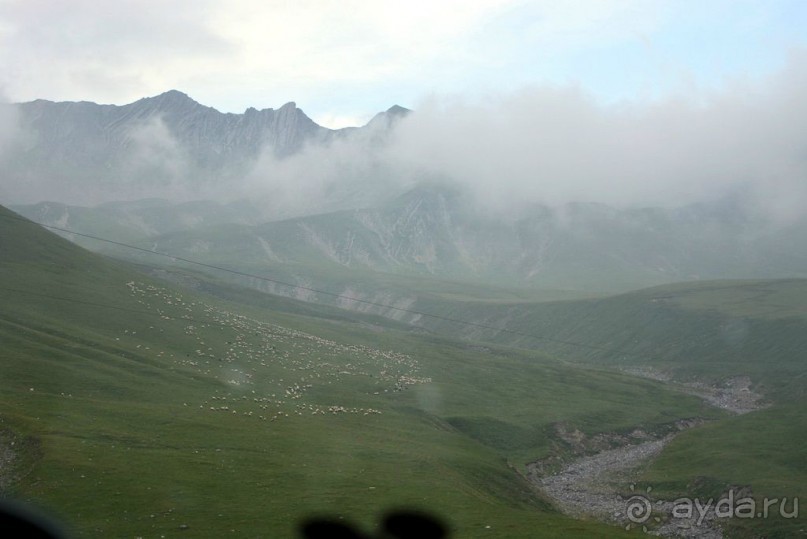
[[733, 394], [595, 485]]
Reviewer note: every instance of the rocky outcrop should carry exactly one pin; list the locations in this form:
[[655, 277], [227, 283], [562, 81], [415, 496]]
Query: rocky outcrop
[[68, 147], [89, 134]]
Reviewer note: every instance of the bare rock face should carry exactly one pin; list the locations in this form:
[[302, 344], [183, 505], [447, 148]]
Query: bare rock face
[[88, 134], [155, 140]]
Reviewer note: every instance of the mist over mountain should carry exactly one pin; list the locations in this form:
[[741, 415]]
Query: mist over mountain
[[435, 231], [168, 146], [542, 145], [555, 145], [542, 188]]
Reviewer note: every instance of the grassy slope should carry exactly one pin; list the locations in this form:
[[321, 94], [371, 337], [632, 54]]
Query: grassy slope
[[113, 408], [763, 450], [710, 331], [707, 330], [384, 288]]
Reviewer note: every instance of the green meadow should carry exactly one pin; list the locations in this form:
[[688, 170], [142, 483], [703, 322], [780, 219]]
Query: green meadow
[[143, 408], [137, 408]]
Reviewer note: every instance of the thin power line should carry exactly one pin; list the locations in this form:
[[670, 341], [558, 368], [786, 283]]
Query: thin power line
[[182, 318], [315, 290], [104, 305]]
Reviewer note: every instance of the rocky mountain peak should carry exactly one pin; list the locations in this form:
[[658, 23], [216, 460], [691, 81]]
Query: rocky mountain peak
[[397, 110], [86, 147], [388, 118], [172, 99]]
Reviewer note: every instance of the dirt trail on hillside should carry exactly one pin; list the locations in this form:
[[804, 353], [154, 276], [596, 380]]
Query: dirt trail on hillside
[[600, 485]]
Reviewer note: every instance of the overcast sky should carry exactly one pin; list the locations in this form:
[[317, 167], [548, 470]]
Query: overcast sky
[[343, 61]]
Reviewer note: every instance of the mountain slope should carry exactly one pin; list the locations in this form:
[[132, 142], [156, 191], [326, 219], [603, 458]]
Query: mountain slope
[[727, 339], [436, 232], [140, 408], [85, 132], [706, 331], [83, 151]]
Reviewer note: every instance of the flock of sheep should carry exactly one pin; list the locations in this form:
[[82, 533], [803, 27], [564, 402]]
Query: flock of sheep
[[271, 372]]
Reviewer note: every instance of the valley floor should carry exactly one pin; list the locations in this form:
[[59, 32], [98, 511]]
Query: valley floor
[[602, 485]]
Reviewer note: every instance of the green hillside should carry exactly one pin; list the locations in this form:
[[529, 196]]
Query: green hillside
[[435, 230], [761, 453], [704, 331], [707, 332], [137, 408]]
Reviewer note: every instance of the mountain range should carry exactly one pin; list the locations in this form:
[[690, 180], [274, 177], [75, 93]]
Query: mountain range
[[430, 351], [363, 234], [80, 151], [202, 397], [434, 231]]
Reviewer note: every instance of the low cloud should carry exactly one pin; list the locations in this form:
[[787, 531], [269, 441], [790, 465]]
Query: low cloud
[[540, 145], [9, 136], [556, 145], [351, 170], [9, 127], [80, 49], [156, 161]]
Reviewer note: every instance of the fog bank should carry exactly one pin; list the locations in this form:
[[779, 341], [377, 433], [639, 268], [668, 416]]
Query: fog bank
[[540, 145]]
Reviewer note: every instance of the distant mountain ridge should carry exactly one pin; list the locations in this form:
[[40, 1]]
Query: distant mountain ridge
[[154, 141], [362, 222], [68, 126], [434, 231]]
